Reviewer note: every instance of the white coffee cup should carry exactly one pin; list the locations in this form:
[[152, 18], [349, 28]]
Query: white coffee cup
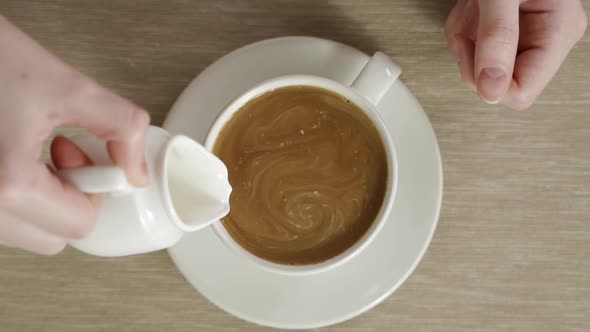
[[188, 191], [366, 91]]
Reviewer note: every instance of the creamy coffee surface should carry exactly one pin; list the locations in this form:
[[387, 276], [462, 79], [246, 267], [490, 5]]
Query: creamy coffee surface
[[308, 171]]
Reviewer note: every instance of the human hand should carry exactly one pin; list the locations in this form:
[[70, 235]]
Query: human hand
[[38, 93], [509, 50]]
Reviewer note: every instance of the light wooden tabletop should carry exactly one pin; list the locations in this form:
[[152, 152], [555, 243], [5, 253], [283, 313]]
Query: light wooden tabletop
[[512, 249]]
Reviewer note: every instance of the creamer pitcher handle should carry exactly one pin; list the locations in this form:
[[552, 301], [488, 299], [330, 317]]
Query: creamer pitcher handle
[[376, 77], [96, 179]]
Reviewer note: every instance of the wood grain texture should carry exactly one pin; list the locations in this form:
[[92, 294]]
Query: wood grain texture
[[512, 249]]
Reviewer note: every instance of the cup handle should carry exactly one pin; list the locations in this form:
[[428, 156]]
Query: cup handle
[[96, 179], [376, 77]]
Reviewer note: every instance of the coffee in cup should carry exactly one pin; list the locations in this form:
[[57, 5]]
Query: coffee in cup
[[308, 170]]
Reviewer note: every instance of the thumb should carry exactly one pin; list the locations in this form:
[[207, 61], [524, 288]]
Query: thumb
[[496, 47]]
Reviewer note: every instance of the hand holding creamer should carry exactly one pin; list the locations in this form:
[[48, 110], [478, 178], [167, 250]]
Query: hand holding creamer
[[188, 191]]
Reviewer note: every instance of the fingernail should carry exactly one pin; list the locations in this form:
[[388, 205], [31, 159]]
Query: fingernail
[[144, 169], [145, 177], [94, 200], [492, 84], [141, 177]]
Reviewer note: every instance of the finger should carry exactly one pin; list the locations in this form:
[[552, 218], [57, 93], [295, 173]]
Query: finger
[[66, 154], [453, 23], [41, 199], [496, 46], [459, 32], [534, 69], [118, 121], [466, 51], [73, 214], [17, 233], [452, 28]]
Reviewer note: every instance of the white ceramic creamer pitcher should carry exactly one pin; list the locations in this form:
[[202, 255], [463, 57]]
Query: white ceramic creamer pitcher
[[188, 190]]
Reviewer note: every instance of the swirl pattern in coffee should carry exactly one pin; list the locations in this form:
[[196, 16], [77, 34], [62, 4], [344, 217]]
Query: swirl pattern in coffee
[[308, 171]]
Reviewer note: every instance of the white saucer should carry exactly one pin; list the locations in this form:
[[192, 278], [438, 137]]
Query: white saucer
[[296, 302]]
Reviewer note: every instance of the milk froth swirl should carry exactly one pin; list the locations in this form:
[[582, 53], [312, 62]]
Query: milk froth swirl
[[308, 171]]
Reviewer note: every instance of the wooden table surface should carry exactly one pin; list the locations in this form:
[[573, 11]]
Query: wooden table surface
[[512, 248]]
